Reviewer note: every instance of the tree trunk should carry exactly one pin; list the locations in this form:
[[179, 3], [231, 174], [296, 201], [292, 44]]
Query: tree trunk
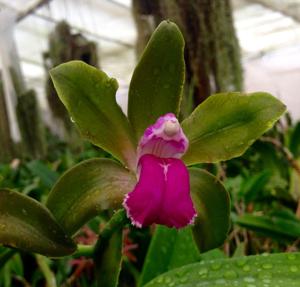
[[65, 46], [6, 143], [212, 52]]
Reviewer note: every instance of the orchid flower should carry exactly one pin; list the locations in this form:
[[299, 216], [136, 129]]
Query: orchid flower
[[162, 194], [151, 150]]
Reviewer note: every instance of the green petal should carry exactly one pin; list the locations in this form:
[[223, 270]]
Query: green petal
[[87, 189], [225, 125]]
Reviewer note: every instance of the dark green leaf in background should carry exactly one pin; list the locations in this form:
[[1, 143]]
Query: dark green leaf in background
[[157, 81], [277, 226]]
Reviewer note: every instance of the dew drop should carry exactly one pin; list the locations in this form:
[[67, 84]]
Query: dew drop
[[216, 266], [230, 274], [241, 262], [294, 268], [168, 280], [72, 120], [267, 266], [246, 268], [249, 279], [203, 272], [291, 256]]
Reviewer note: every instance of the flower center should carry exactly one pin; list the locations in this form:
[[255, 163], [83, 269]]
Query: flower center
[[171, 128]]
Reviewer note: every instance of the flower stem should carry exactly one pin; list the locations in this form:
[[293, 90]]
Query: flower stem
[[115, 223], [47, 272], [84, 250], [108, 251]]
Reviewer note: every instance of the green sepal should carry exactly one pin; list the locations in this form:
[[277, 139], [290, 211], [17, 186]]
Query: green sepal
[[89, 96], [157, 82]]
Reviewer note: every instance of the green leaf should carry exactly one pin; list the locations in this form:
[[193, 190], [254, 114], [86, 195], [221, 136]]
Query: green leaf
[[168, 249], [225, 125], [295, 182], [41, 170], [253, 186], [278, 270], [212, 203], [89, 96], [294, 142], [26, 224], [157, 81], [277, 226], [87, 189]]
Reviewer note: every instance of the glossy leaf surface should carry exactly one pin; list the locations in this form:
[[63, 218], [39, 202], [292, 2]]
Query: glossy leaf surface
[[26, 224], [278, 270], [89, 96], [212, 203], [225, 125], [157, 81], [87, 189]]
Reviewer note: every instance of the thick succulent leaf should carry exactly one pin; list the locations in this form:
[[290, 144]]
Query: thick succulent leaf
[[87, 189], [169, 248], [212, 203], [225, 125], [278, 270], [157, 81], [89, 96], [26, 224], [277, 226]]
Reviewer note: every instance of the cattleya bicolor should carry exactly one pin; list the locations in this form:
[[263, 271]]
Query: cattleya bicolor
[[162, 194]]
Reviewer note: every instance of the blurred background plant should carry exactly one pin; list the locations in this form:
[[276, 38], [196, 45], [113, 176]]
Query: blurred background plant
[[38, 141]]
